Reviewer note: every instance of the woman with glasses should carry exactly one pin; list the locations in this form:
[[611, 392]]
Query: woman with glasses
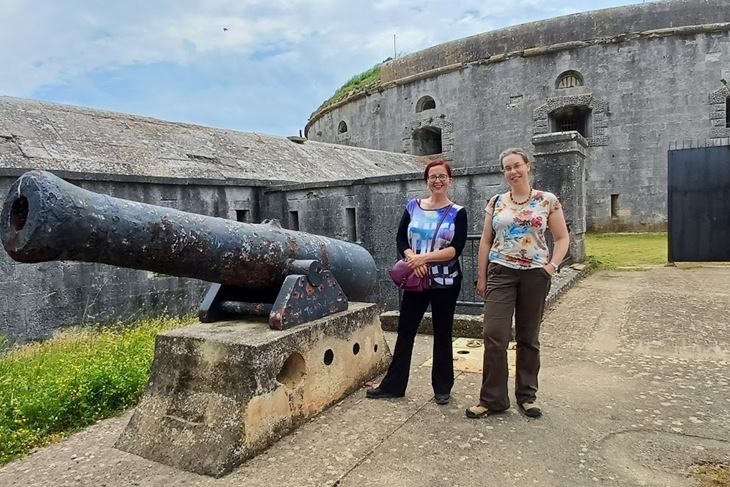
[[431, 236], [514, 273]]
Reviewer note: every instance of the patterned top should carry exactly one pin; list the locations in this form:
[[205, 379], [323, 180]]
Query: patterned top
[[416, 231], [519, 230]]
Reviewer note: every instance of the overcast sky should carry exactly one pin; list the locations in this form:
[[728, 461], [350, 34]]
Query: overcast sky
[[250, 65]]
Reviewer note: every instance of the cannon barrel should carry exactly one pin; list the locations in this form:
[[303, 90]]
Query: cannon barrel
[[45, 218]]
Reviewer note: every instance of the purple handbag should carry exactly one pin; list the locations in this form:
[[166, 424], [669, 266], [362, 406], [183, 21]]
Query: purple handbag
[[406, 278]]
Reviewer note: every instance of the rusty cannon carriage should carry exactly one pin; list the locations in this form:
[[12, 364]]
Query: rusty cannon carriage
[[292, 276]]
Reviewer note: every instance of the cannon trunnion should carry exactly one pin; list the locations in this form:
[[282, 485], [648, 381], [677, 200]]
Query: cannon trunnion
[[256, 268]]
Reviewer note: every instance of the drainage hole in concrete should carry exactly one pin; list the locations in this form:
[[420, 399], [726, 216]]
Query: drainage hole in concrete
[[293, 371], [356, 348], [329, 356], [375, 348], [462, 352]]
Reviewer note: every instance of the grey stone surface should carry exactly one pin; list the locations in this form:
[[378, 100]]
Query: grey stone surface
[[76, 141], [653, 74], [201, 170], [220, 393], [634, 386], [42, 298], [560, 161], [191, 168], [378, 204], [91, 293]]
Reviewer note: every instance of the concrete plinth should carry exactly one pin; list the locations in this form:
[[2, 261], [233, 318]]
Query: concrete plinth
[[220, 393]]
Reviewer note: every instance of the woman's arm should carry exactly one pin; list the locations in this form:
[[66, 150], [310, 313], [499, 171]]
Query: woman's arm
[[561, 238], [401, 238], [485, 244]]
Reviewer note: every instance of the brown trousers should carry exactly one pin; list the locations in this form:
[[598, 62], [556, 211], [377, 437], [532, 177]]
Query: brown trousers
[[523, 293]]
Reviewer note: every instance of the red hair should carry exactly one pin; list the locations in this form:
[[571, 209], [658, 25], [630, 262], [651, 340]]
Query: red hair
[[437, 162]]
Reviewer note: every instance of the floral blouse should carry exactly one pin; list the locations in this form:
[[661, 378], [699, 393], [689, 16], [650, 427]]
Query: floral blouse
[[519, 230]]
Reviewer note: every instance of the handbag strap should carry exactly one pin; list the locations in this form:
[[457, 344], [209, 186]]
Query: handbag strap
[[438, 225]]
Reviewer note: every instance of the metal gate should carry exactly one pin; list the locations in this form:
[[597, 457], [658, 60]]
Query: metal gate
[[698, 204]]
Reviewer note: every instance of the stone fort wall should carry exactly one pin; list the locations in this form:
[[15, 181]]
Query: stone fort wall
[[643, 77], [37, 299]]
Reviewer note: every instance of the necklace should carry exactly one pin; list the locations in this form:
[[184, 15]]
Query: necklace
[[520, 203]]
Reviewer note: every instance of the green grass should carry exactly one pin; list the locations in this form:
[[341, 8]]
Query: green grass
[[50, 389], [356, 84], [626, 250]]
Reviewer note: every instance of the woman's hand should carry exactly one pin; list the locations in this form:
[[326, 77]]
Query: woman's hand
[[481, 288], [421, 271], [550, 269], [415, 261]]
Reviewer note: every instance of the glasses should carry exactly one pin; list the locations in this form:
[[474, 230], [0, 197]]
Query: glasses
[[439, 177], [513, 168]]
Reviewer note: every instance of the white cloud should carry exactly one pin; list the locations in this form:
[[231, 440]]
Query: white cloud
[[304, 48]]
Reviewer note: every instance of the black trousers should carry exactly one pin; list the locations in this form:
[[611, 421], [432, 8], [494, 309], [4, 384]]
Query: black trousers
[[413, 306]]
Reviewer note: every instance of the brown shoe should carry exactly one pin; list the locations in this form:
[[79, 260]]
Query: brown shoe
[[479, 411], [531, 409]]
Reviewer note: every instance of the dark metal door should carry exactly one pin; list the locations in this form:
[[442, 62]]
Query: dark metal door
[[698, 205]]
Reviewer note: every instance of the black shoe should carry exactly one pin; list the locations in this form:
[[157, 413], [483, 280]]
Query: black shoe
[[378, 393], [441, 399]]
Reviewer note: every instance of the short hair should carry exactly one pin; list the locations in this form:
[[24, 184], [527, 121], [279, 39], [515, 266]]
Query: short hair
[[514, 150], [437, 162]]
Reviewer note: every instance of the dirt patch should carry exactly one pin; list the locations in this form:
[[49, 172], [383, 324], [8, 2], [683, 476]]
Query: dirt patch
[[711, 474]]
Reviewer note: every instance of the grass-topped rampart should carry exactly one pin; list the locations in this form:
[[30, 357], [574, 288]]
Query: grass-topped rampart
[[357, 84]]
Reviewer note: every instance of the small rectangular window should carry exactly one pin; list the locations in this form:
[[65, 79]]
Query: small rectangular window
[[294, 220], [727, 112], [614, 206], [351, 222], [242, 215]]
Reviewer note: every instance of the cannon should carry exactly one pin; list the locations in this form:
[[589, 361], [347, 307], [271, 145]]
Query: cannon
[[292, 276]]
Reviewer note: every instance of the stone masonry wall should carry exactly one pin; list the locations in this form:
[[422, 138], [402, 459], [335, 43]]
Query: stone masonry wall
[[643, 93], [379, 204], [37, 299]]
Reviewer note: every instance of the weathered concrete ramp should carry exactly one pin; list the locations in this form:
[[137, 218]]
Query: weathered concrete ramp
[[220, 393]]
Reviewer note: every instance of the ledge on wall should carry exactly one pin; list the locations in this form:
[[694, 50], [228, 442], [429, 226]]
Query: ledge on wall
[[471, 326]]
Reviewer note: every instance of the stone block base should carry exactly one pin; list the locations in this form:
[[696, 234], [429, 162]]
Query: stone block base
[[220, 393]]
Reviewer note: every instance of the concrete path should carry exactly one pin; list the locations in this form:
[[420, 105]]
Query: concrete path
[[635, 385]]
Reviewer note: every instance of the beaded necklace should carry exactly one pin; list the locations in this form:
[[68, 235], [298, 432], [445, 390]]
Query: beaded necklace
[[520, 203]]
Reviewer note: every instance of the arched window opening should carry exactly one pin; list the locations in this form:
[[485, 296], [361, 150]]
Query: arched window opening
[[572, 117], [342, 127], [427, 141], [425, 103], [569, 79]]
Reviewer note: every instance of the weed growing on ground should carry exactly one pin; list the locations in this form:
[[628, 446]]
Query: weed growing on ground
[[50, 389]]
